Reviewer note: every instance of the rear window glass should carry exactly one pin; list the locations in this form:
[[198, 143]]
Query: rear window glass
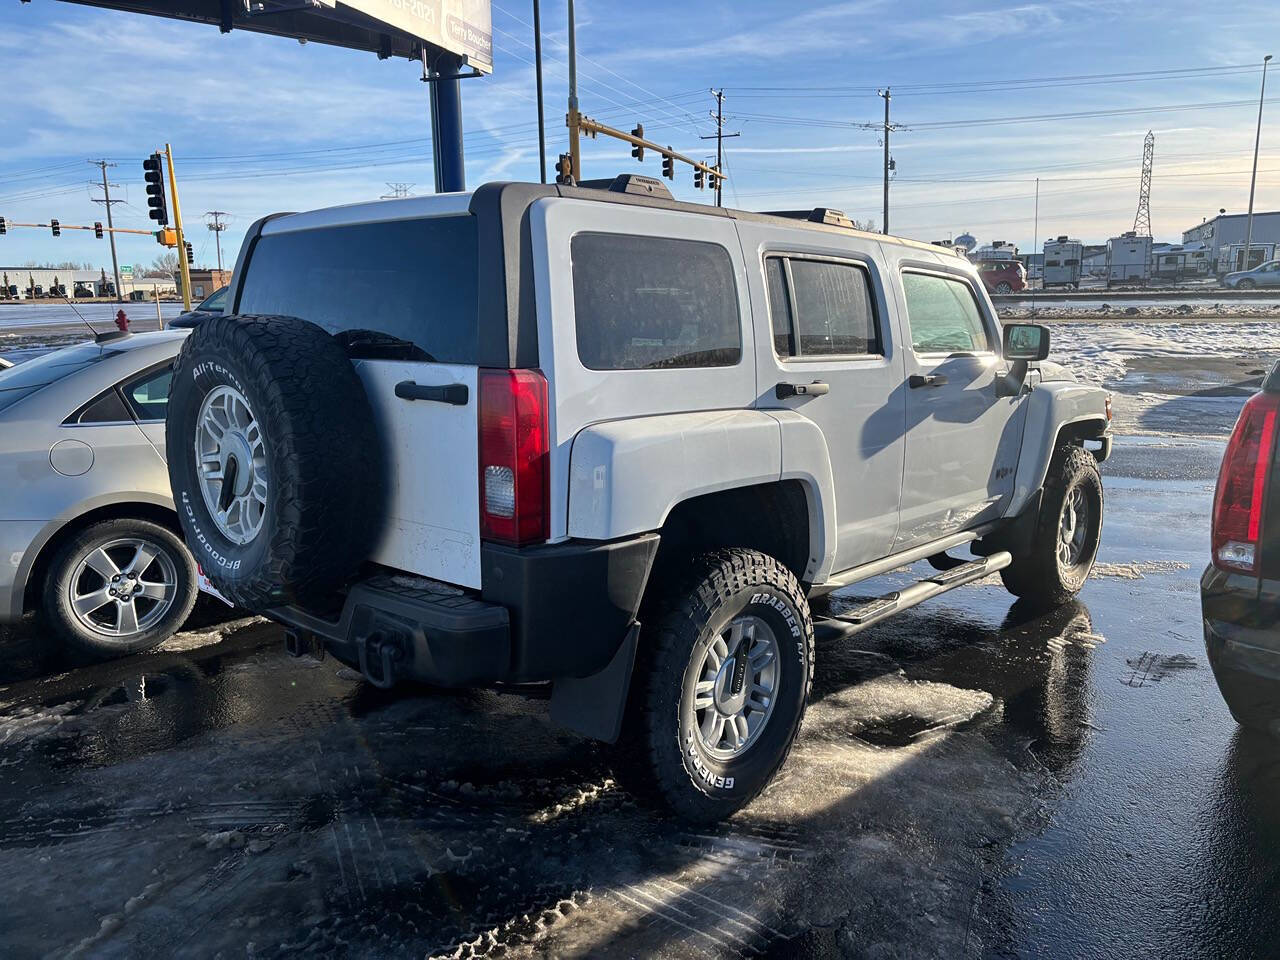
[[411, 280], [833, 309], [651, 302], [26, 378]]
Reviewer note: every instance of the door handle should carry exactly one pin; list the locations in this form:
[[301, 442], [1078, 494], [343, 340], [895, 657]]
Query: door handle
[[816, 389], [917, 380], [453, 393]]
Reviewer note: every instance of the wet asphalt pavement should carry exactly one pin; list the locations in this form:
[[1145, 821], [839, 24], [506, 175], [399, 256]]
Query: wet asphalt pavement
[[973, 779]]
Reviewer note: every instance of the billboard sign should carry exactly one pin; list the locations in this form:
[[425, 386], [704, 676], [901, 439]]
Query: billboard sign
[[464, 27], [389, 28]]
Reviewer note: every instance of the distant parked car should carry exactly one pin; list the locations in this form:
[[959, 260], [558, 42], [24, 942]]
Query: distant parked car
[[211, 305], [1240, 590], [1263, 275], [1003, 276], [88, 531]]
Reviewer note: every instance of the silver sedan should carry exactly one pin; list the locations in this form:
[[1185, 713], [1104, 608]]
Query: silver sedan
[[88, 533]]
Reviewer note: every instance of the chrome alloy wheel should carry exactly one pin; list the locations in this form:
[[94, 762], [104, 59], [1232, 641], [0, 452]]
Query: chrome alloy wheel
[[735, 684], [1073, 527], [231, 459], [123, 587]]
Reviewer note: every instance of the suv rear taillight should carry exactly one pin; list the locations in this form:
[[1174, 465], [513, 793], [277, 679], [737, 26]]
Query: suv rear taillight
[[1242, 485], [514, 453]]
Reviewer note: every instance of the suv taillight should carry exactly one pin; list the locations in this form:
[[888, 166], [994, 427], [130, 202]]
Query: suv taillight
[[1242, 485], [514, 453]]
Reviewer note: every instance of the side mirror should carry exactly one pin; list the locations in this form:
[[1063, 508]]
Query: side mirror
[[1026, 341]]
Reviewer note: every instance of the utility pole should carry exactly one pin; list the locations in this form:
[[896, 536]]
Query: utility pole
[[107, 201], [217, 226], [885, 94], [1253, 181], [1035, 242], [719, 137], [537, 72]]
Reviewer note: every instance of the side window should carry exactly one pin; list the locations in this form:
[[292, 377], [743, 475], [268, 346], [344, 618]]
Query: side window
[[775, 276], [943, 315], [108, 408], [644, 303], [833, 311], [148, 396]]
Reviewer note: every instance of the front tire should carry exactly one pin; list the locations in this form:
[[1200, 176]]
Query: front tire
[[1245, 285], [1065, 544], [119, 587], [1003, 287], [721, 684]]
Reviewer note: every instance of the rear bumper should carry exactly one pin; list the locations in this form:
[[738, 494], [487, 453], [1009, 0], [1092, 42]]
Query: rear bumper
[[1242, 640], [545, 613]]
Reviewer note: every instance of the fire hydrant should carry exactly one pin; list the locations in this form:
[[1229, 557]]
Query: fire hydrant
[[122, 321]]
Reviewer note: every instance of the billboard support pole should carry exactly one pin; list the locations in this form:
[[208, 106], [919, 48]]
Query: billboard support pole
[[446, 124]]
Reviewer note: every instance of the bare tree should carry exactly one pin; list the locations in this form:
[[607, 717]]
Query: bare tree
[[163, 265]]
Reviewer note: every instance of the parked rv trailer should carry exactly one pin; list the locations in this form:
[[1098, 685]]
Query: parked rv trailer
[[1062, 263], [1128, 259]]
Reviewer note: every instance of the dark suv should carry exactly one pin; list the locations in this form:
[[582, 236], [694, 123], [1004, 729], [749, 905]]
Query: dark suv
[[1003, 276], [1240, 591]]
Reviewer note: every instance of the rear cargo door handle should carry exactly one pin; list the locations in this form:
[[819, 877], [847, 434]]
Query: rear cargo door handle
[[917, 380], [454, 393], [816, 389]]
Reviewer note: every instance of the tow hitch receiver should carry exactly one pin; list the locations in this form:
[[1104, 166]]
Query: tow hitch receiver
[[381, 652], [303, 643]]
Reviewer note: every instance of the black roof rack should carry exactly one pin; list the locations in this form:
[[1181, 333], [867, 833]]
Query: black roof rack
[[828, 215], [633, 183]]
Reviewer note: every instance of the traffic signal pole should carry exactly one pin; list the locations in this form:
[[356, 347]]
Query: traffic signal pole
[[177, 225]]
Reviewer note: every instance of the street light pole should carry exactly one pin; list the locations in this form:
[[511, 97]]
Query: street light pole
[[1253, 181]]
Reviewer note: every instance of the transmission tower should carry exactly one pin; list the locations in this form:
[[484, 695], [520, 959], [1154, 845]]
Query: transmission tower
[[1142, 220], [397, 190]]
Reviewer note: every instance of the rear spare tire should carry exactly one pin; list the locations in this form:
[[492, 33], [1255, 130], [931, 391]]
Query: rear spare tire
[[274, 463]]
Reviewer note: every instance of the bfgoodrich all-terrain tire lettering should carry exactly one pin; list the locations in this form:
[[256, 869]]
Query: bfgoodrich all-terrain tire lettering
[[269, 411], [1067, 534], [729, 641]]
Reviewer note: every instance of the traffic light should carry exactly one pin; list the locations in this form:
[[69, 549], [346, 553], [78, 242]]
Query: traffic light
[[637, 151], [564, 168], [57, 229], [4, 227], [668, 166], [167, 237], [97, 229], [191, 257], [153, 173], [697, 177]]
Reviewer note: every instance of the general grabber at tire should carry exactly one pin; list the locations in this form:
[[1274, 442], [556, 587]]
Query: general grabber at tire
[[275, 469], [1065, 543], [721, 684]]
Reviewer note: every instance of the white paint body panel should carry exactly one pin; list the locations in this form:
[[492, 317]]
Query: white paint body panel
[[432, 525], [626, 475], [580, 397]]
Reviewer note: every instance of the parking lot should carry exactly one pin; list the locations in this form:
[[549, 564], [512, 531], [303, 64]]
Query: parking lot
[[972, 779]]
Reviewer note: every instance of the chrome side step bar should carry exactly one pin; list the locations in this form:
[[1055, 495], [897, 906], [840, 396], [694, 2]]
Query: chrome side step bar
[[882, 608], [922, 552]]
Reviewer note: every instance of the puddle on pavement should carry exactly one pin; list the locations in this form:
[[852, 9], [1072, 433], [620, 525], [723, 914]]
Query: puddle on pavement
[[899, 731]]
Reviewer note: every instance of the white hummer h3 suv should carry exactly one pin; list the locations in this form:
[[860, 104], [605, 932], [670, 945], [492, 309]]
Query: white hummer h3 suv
[[593, 437]]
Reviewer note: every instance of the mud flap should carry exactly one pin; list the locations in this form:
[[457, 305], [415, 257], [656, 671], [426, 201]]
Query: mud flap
[[594, 706]]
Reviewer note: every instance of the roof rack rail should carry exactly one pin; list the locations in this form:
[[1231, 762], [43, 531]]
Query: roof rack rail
[[828, 215], [632, 183]]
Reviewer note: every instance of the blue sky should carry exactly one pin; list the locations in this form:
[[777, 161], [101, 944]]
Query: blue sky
[[260, 124]]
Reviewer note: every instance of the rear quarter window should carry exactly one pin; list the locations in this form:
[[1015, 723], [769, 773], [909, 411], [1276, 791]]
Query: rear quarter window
[[652, 302], [414, 280]]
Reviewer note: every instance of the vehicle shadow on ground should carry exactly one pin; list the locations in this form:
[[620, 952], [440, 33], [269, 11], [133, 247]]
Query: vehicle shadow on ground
[[327, 816], [28, 651]]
